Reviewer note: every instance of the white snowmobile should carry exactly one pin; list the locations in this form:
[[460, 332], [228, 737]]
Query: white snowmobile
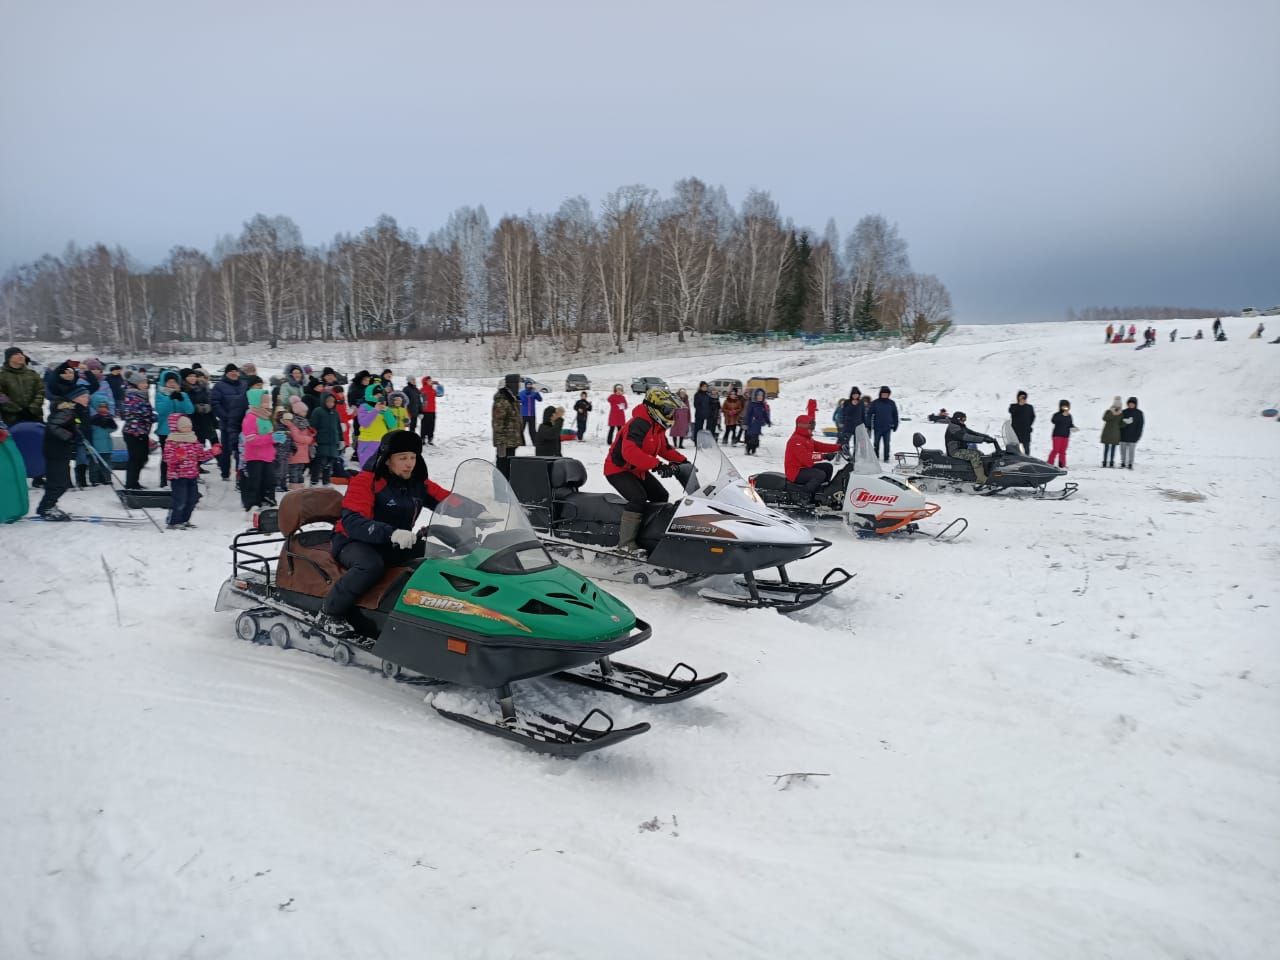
[[872, 502], [720, 526]]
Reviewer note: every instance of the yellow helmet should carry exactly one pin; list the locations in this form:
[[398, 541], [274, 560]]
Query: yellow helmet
[[662, 405]]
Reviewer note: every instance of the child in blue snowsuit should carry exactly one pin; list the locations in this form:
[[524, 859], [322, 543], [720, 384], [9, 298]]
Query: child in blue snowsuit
[[756, 419]]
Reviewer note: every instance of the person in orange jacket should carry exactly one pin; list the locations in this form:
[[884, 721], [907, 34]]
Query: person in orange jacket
[[634, 454], [805, 455]]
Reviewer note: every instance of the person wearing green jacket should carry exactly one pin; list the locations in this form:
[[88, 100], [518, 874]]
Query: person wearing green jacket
[[21, 390], [1111, 432]]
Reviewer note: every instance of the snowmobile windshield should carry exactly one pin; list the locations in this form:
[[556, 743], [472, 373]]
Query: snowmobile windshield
[[1011, 442], [865, 460], [482, 519], [714, 477]]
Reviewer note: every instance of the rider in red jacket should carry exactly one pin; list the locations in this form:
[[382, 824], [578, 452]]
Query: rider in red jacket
[[634, 453], [804, 461], [379, 511]]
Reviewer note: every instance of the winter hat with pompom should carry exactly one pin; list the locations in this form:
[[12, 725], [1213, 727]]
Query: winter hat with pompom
[[297, 406]]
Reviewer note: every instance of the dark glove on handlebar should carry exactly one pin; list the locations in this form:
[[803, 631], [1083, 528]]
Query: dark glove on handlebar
[[665, 470]]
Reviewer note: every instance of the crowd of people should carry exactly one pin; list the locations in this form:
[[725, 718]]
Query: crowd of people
[[270, 436]]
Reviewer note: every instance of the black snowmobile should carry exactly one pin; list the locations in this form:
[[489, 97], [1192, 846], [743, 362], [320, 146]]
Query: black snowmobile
[[1006, 466], [719, 526], [484, 606]]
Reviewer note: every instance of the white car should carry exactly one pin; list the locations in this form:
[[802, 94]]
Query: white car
[[1248, 312], [1273, 312]]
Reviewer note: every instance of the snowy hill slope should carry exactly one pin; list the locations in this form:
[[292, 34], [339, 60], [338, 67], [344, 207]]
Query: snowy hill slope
[[1053, 738]]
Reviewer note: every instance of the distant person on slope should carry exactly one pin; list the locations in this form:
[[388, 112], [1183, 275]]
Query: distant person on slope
[[581, 408], [529, 400], [1131, 423], [429, 398], [1111, 432], [804, 458], [732, 408], [1063, 426], [701, 410], [634, 458], [617, 411], [683, 418], [1022, 416], [757, 418], [884, 414]]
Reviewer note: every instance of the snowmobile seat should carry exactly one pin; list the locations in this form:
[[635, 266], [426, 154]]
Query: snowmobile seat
[[938, 457], [306, 564]]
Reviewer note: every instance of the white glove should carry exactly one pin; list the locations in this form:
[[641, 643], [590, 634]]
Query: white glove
[[402, 539]]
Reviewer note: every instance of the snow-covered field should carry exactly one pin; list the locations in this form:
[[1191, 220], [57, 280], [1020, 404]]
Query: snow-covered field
[[1056, 737]]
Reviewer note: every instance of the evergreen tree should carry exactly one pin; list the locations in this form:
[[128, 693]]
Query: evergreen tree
[[864, 319], [794, 284]]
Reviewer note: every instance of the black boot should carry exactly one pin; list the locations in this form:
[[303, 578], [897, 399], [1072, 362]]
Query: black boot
[[82, 476]]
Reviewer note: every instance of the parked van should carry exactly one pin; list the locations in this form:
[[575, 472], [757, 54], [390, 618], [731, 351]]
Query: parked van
[[724, 386], [768, 384]]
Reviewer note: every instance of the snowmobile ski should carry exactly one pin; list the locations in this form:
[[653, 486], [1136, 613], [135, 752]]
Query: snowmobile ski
[[637, 683], [784, 595], [544, 733]]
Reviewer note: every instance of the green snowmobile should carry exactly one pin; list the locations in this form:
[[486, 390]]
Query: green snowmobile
[[484, 606]]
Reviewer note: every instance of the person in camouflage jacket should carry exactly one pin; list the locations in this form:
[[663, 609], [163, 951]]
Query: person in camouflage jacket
[[508, 425]]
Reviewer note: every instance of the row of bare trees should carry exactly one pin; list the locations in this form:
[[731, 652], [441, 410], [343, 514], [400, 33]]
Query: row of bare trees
[[687, 263]]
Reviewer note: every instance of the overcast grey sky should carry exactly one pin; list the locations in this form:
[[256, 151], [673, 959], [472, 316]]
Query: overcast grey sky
[[1035, 155]]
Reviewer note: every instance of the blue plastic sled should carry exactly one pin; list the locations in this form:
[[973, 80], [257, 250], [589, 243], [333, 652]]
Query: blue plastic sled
[[30, 440]]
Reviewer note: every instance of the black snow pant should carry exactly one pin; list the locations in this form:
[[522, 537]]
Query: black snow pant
[[636, 491], [882, 435], [164, 467], [257, 483], [531, 423], [811, 478], [429, 427], [612, 431], [699, 424], [502, 457], [57, 480], [582, 425], [1024, 438], [365, 564], [230, 449], [139, 452]]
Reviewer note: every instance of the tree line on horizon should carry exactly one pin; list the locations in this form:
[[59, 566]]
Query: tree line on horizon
[[642, 264], [1134, 314]]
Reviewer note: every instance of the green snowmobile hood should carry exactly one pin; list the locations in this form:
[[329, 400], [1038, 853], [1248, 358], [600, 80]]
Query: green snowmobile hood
[[552, 604]]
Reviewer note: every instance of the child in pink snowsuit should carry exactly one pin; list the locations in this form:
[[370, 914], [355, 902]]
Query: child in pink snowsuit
[[1063, 426], [303, 436]]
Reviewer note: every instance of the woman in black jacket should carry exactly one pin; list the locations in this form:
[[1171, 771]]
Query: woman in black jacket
[[1131, 423], [546, 441], [1021, 416]]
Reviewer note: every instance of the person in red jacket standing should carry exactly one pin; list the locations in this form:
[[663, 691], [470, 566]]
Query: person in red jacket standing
[[429, 411], [634, 454], [804, 459], [617, 411]]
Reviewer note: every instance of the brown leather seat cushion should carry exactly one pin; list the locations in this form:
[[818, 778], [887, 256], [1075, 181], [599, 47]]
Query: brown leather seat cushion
[[313, 505], [306, 566]]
